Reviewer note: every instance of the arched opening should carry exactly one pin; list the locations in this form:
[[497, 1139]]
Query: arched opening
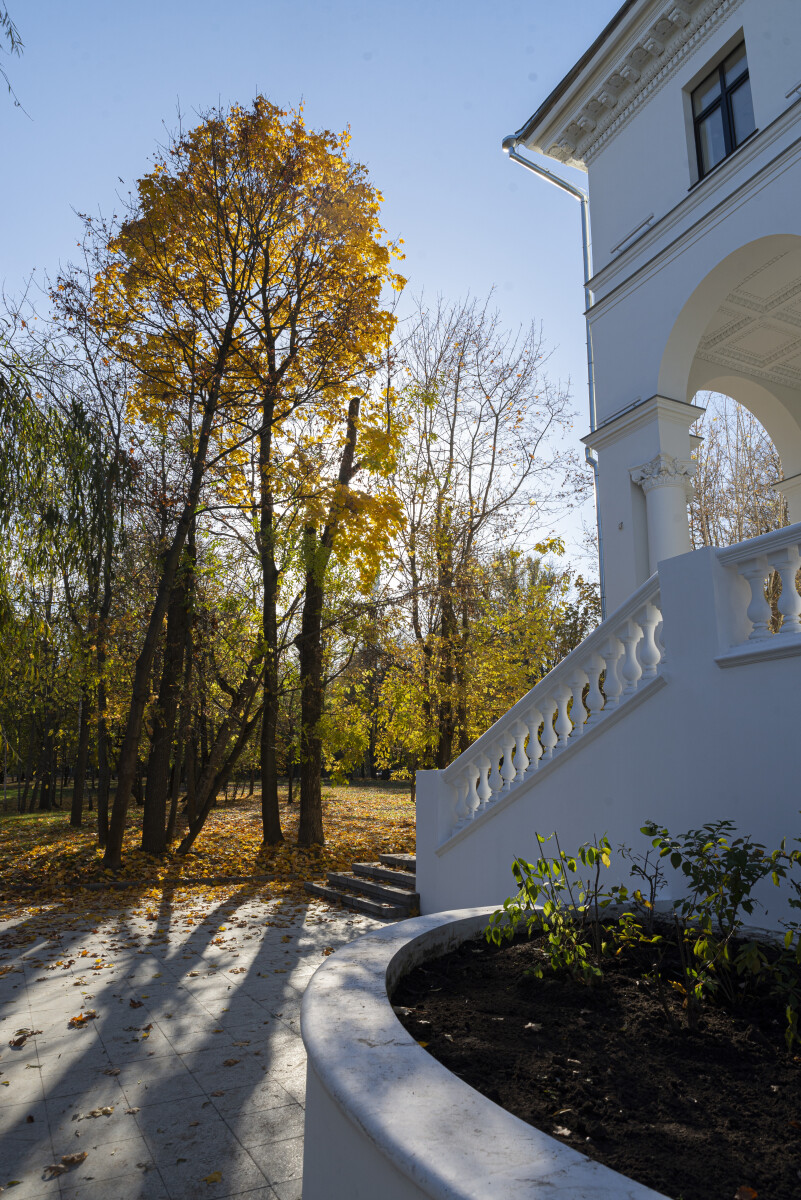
[[736, 465], [739, 334]]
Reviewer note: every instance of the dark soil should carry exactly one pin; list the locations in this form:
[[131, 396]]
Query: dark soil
[[712, 1114]]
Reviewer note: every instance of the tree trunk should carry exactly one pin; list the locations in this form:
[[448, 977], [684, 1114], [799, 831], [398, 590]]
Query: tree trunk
[[23, 798], [218, 770], [309, 643], [126, 766], [191, 779], [317, 553], [154, 818], [79, 780], [270, 816], [103, 768]]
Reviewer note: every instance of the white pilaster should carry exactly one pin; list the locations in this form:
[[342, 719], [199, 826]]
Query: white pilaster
[[667, 484], [642, 525]]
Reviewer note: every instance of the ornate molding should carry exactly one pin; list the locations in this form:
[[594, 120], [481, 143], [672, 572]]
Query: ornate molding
[[641, 71], [664, 471]]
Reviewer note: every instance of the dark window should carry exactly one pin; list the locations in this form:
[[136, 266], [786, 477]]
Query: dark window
[[723, 114]]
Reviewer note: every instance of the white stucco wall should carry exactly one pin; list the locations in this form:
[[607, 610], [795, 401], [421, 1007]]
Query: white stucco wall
[[648, 166]]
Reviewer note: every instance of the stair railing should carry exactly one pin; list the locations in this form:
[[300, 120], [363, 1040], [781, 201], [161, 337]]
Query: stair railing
[[626, 650]]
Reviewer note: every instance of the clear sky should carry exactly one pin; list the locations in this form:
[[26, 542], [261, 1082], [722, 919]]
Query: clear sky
[[429, 89]]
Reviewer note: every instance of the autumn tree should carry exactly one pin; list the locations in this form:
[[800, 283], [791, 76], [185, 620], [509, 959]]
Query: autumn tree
[[736, 464], [244, 283], [479, 471]]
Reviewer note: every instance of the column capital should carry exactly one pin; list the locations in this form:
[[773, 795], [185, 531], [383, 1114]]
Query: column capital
[[664, 471]]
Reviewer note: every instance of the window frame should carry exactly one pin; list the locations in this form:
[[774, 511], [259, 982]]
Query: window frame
[[723, 102]]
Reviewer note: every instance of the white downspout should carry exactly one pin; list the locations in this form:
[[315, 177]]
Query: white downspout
[[510, 145]]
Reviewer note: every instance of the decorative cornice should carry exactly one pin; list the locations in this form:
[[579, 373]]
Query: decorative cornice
[[664, 471], [641, 70]]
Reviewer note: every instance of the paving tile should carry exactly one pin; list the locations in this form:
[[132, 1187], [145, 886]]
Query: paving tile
[[238, 1173], [292, 1189], [18, 1085], [267, 1094], [107, 1159], [14, 1121], [68, 1116], [26, 1162], [151, 1080], [267, 1125], [145, 1185], [281, 1160]]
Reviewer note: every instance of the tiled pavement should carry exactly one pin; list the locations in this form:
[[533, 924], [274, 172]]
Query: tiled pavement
[[195, 1049]]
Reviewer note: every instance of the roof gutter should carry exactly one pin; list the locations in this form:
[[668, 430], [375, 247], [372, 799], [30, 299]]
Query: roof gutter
[[510, 145]]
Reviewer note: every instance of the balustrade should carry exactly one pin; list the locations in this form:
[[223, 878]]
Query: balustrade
[[755, 561], [600, 675]]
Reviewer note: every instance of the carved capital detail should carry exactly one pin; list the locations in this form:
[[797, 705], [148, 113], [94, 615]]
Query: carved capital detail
[[664, 471]]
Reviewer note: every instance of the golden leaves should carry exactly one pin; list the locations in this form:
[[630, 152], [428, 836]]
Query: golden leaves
[[82, 1019]]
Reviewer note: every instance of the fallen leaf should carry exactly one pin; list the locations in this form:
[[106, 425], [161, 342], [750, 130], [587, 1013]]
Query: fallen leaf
[[230, 1062], [217, 1093], [112, 1071], [135, 1003], [745, 1193], [82, 1018], [215, 1177], [131, 1111], [22, 1035]]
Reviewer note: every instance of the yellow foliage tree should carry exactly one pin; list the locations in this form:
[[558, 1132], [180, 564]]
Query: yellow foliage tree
[[245, 285]]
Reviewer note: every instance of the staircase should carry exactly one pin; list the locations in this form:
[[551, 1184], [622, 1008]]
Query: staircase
[[682, 707], [386, 889]]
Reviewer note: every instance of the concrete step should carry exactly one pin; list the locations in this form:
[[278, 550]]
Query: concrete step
[[378, 891], [405, 862], [373, 908], [398, 878]]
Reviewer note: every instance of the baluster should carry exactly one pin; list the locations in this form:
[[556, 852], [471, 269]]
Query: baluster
[[521, 758], [472, 800], [495, 779], [649, 653], [533, 722], [461, 808], [659, 635], [578, 712], [508, 769], [786, 561], [630, 636], [595, 697], [484, 790], [756, 570], [612, 652], [564, 726], [549, 734]]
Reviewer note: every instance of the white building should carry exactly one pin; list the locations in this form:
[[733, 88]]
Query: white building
[[686, 116]]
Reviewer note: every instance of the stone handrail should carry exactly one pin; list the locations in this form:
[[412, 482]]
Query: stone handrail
[[754, 560], [626, 649]]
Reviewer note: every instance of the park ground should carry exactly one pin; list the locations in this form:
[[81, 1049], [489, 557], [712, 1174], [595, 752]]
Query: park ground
[[159, 1053]]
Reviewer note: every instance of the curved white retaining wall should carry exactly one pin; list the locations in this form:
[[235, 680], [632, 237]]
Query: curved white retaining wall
[[386, 1121]]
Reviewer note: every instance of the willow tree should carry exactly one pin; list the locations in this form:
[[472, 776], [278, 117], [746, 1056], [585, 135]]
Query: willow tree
[[244, 283]]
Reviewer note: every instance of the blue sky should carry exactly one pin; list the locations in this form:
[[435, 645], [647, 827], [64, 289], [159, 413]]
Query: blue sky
[[429, 89]]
